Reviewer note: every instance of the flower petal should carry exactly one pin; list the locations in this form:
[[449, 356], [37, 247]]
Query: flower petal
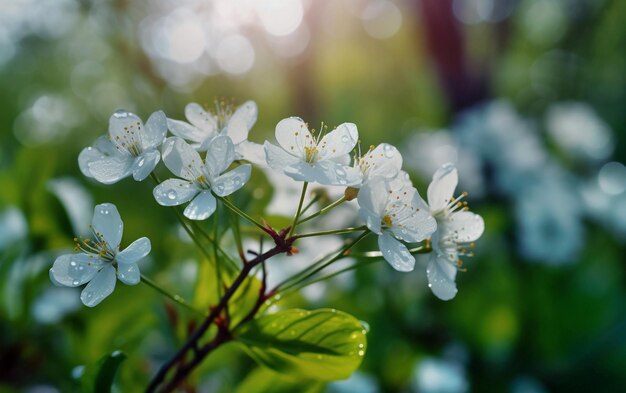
[[181, 159], [155, 130], [102, 147], [101, 286], [134, 252], [247, 112], [384, 161], [188, 132], [201, 207], [174, 192], [231, 181], [202, 119], [112, 169], [126, 127], [371, 219], [293, 135], [373, 198], [327, 173], [72, 270], [241, 122], [129, 273], [416, 227], [441, 274], [251, 152], [220, 154], [339, 141], [145, 164], [395, 253], [466, 226], [108, 224], [277, 158], [442, 187]]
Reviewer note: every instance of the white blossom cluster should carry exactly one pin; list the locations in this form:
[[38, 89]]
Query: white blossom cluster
[[206, 155]]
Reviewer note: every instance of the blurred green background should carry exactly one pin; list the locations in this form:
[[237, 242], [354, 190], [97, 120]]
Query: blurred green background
[[526, 96]]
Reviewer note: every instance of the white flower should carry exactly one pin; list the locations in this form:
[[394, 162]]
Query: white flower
[[203, 126], [383, 161], [129, 148], [100, 258], [394, 210], [199, 179], [303, 157], [457, 228]]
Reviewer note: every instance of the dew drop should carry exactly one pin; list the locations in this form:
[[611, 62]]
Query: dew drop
[[141, 162], [345, 139], [171, 194], [361, 353], [389, 151], [75, 282], [73, 263]]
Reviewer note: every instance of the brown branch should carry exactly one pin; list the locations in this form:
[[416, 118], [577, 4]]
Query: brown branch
[[283, 245]]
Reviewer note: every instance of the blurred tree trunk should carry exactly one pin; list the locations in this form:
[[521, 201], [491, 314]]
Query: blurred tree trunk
[[446, 47]]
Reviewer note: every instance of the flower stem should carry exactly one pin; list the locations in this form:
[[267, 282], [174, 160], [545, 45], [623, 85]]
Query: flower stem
[[316, 267], [332, 232], [238, 211], [297, 215], [338, 272], [174, 297], [324, 210]]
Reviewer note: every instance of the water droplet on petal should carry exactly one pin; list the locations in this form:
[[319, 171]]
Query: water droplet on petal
[[75, 282], [171, 194], [345, 139]]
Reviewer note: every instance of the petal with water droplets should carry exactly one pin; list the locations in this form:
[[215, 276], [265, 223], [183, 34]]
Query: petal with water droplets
[[339, 141], [155, 130], [174, 192], [231, 181], [441, 189], [72, 270], [111, 169], [201, 207], [466, 226], [220, 154], [101, 286], [441, 275], [134, 252], [145, 164], [395, 253], [128, 273], [108, 224], [181, 159]]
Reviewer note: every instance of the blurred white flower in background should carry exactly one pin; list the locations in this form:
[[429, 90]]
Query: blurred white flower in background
[[428, 151], [433, 375], [576, 128], [509, 143], [13, 226], [549, 220], [76, 201]]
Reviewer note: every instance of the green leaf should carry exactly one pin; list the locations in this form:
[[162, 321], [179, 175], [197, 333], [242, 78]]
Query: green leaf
[[263, 380], [99, 377], [323, 344]]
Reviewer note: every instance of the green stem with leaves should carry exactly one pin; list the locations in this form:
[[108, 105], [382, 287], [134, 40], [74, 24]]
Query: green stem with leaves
[[324, 210], [299, 211], [172, 296], [331, 232]]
